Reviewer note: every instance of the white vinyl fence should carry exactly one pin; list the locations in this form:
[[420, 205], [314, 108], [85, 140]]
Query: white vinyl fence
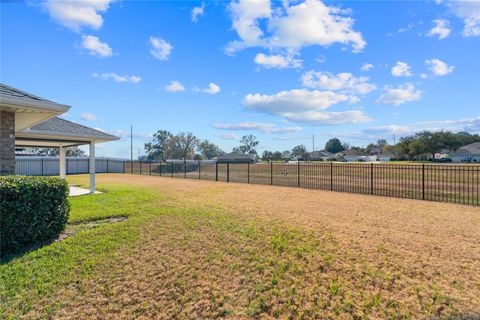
[[50, 166]]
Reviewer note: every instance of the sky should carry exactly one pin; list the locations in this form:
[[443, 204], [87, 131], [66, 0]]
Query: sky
[[283, 71]]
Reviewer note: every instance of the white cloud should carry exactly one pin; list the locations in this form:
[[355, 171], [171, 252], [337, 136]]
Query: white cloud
[[344, 82], [469, 11], [96, 47], [441, 29], [117, 78], [212, 88], [174, 86], [328, 118], [401, 69], [77, 14], [366, 67], [296, 100], [292, 26], [197, 12], [161, 49], [256, 126], [305, 106], [277, 61], [423, 75], [402, 94], [229, 136], [438, 67], [88, 116]]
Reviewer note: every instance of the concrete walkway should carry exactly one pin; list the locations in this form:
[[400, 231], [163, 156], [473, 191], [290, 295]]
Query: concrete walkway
[[77, 191]]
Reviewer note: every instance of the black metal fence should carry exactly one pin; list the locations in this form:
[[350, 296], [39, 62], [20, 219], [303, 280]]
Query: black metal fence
[[446, 183]]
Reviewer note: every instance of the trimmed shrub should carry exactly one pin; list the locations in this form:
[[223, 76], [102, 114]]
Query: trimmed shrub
[[32, 210]]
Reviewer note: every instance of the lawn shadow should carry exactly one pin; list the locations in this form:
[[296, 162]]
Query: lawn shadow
[[70, 230]]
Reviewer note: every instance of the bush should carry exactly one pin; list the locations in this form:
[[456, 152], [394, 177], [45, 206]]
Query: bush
[[32, 210]]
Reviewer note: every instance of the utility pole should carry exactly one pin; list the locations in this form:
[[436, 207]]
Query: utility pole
[[313, 143], [131, 143], [394, 143]]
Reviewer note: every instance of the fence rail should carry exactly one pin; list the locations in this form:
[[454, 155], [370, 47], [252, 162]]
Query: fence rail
[[434, 182], [50, 166]]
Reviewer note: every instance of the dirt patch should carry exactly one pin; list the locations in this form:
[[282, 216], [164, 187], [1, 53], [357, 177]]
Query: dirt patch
[[74, 228]]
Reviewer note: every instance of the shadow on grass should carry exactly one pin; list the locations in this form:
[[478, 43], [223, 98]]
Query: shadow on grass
[[70, 230]]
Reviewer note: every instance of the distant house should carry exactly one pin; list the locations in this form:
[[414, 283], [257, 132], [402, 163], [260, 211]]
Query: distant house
[[385, 156], [355, 155], [321, 155], [468, 153], [235, 157]]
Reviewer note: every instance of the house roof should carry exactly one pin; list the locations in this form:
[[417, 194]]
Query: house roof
[[235, 156], [320, 154], [29, 109], [11, 91], [353, 153], [473, 148], [18, 97], [60, 126]]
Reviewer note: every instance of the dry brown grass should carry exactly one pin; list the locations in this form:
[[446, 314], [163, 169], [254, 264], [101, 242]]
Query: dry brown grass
[[249, 251]]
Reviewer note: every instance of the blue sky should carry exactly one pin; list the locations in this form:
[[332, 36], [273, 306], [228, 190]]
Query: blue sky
[[283, 71]]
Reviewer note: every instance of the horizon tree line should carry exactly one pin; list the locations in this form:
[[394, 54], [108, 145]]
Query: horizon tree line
[[185, 145]]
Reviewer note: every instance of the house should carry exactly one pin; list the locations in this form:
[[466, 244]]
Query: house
[[468, 153], [385, 156], [236, 157], [27, 120], [355, 155], [321, 155]]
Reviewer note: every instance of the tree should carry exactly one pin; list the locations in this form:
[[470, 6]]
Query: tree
[[55, 152], [300, 152], [334, 145], [277, 156], [209, 150], [248, 145], [182, 146], [286, 155], [157, 149], [267, 155]]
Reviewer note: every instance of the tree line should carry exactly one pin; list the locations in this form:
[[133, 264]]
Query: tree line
[[166, 145]]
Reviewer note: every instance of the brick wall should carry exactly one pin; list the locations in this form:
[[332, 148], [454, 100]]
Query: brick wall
[[7, 143]]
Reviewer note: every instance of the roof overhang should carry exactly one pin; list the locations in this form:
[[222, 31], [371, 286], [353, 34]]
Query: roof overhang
[[29, 112], [41, 138]]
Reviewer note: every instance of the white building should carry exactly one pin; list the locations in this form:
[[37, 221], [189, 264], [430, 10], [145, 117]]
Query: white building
[[468, 153]]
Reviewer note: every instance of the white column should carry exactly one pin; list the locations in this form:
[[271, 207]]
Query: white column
[[63, 164], [92, 166]]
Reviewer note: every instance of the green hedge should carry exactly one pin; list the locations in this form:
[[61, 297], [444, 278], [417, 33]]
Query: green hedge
[[32, 210]]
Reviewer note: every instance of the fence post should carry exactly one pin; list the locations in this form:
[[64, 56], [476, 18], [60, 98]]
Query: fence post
[[140, 161], [298, 173], [331, 176], [150, 167], [371, 178], [172, 170], [108, 171], [248, 172], [124, 166], [271, 172], [185, 168], [199, 171], [228, 172], [160, 167], [42, 167], [423, 181], [216, 171]]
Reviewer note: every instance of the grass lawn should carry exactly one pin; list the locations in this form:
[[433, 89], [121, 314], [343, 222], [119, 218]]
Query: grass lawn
[[200, 249]]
